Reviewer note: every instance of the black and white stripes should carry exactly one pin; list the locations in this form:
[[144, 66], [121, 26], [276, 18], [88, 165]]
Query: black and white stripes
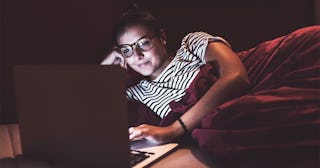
[[171, 84]]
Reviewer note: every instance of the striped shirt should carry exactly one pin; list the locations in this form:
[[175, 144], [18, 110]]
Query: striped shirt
[[172, 83]]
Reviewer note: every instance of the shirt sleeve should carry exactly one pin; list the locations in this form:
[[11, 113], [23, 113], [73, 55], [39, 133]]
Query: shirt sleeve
[[197, 42]]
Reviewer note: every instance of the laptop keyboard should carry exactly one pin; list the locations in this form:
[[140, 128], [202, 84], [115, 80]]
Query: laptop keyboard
[[137, 156]]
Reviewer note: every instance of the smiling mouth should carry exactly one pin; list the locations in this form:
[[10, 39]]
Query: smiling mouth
[[143, 64]]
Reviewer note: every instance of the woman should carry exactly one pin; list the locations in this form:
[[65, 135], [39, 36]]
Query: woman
[[141, 45], [200, 91]]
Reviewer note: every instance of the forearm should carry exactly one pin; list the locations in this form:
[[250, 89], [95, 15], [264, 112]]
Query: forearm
[[223, 90]]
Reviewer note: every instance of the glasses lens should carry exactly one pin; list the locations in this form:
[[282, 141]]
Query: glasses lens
[[126, 50], [145, 44]]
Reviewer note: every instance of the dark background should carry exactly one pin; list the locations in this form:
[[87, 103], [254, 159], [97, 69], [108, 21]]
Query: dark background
[[79, 31]]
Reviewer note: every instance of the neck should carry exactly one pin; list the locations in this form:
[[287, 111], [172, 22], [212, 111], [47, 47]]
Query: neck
[[161, 69]]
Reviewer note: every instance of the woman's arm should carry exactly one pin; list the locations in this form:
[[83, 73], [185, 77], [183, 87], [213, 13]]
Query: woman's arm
[[232, 82], [114, 57]]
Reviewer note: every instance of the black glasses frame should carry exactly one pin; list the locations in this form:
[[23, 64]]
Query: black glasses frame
[[134, 45]]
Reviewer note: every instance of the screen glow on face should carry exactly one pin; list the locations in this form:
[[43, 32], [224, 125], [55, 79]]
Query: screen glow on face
[[145, 43]]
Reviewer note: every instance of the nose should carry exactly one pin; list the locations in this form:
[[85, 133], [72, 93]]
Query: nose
[[137, 53]]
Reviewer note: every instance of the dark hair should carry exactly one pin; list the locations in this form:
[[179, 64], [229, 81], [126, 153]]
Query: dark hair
[[136, 17]]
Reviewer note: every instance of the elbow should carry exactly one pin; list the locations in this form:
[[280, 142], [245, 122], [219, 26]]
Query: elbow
[[241, 81], [238, 82]]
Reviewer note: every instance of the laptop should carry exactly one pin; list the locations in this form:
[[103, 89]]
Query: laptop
[[77, 115]]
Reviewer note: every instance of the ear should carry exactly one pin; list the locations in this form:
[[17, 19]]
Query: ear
[[163, 36]]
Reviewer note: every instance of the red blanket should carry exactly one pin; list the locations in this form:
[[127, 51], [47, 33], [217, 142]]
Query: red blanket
[[277, 122]]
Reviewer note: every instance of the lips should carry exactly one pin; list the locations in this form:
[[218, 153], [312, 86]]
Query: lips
[[143, 64]]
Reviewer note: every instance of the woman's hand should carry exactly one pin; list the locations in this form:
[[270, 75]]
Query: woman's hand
[[114, 57], [154, 133]]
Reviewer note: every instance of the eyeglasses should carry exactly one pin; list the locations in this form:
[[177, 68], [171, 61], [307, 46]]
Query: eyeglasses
[[144, 44]]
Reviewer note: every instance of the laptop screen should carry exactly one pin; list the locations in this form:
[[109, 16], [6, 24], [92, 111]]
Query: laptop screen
[[73, 114]]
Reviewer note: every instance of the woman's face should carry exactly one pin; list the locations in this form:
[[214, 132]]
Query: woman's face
[[149, 62]]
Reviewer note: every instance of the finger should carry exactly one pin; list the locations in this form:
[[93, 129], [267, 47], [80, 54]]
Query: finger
[[123, 63], [117, 60], [131, 129], [136, 134]]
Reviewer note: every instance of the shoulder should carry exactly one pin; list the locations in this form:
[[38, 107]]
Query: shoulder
[[198, 37]]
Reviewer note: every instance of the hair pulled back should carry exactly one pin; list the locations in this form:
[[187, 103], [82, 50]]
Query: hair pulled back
[[134, 17]]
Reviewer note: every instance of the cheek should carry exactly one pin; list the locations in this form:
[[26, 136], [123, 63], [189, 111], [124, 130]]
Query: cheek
[[129, 63], [158, 56]]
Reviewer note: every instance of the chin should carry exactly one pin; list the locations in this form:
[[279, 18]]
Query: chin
[[145, 72]]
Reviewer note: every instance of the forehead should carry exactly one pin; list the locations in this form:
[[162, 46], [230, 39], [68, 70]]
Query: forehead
[[132, 34]]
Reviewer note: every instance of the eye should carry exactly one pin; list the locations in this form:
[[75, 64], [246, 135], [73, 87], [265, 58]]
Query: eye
[[145, 44], [125, 50]]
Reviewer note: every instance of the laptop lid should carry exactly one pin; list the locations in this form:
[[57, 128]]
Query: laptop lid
[[73, 114]]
